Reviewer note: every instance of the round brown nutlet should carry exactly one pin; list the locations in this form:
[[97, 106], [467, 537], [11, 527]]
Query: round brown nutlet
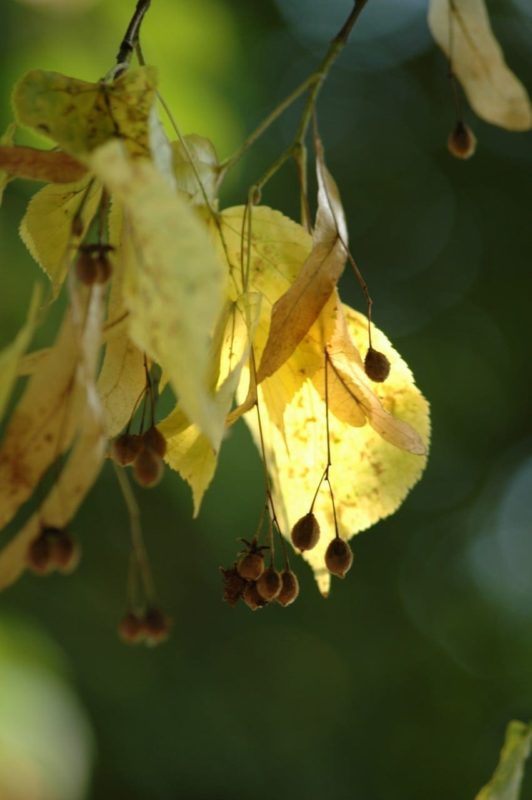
[[131, 628], [234, 585], [252, 598], [66, 552], [86, 268], [103, 267], [154, 439], [462, 142], [39, 555], [289, 588], [306, 532], [250, 566], [156, 625], [125, 448], [269, 584], [376, 365], [338, 557], [148, 468]]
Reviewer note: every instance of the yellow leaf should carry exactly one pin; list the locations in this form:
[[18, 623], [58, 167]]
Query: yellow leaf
[[81, 116], [43, 423], [46, 228], [49, 166], [463, 31], [87, 456], [122, 377], [295, 311], [175, 289], [189, 452], [6, 140], [370, 476], [506, 781], [278, 249], [196, 169], [11, 355]]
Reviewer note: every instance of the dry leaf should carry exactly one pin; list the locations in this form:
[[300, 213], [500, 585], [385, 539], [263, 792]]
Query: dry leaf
[[81, 116], [370, 477], [43, 423], [46, 228], [463, 31], [6, 141], [295, 311], [87, 456], [122, 377], [10, 356], [175, 289], [508, 776], [49, 166]]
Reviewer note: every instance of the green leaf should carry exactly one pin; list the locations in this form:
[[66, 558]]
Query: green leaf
[[505, 783]]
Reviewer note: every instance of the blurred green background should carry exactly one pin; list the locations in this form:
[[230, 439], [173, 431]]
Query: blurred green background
[[399, 686]]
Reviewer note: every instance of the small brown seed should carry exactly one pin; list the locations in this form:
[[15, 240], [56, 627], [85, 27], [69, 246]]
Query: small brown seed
[[154, 440], [269, 584], [338, 557], [462, 142], [103, 267], [289, 589], [39, 555], [148, 468], [234, 585], [252, 598], [66, 552], [131, 628], [86, 268], [156, 626], [125, 448], [376, 365], [306, 532], [250, 566]]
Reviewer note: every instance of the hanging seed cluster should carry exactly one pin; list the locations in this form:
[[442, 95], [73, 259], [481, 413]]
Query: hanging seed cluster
[[257, 585]]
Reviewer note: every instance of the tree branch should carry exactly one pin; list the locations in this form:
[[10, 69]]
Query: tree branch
[[131, 35]]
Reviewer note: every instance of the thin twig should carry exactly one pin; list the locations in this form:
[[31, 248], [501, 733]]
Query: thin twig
[[312, 84], [132, 33]]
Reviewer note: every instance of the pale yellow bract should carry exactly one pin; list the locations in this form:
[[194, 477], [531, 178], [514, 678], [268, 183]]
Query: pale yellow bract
[[463, 31]]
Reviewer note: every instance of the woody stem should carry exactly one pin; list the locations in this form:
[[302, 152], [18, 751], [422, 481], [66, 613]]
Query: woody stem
[[132, 33]]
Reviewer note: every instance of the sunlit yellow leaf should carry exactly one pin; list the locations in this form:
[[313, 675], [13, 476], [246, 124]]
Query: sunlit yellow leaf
[[50, 166], [81, 116], [46, 228], [295, 311], [122, 378], [463, 31], [11, 355], [6, 140], [278, 249], [370, 476], [87, 456], [175, 289], [43, 423], [506, 781], [189, 452]]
